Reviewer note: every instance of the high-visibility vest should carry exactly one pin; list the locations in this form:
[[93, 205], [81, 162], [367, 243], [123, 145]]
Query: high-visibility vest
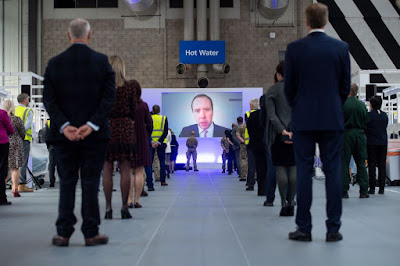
[[246, 133], [158, 127], [22, 112], [48, 123]]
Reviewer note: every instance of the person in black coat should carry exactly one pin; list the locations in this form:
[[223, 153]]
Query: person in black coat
[[376, 144], [79, 91]]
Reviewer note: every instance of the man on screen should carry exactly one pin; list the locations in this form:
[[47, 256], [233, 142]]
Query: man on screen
[[203, 111]]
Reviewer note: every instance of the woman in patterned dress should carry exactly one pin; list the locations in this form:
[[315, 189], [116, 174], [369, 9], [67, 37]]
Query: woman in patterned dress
[[122, 145], [16, 152]]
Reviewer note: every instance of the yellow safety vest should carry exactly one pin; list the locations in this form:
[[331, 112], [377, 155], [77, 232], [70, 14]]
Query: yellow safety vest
[[48, 123], [246, 133], [22, 112], [158, 127]]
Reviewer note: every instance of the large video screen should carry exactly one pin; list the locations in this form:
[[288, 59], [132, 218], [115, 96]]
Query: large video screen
[[206, 114]]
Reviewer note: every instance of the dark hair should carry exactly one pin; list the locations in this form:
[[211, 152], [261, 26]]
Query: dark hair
[[275, 78], [156, 109], [239, 119], [317, 15], [138, 88], [376, 102], [202, 96], [280, 68]]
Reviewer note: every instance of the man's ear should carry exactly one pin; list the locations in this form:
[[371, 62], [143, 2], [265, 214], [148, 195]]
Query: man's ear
[[89, 35], [68, 35]]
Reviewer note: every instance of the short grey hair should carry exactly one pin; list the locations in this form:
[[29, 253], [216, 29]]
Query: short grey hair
[[22, 97], [79, 28], [255, 102]]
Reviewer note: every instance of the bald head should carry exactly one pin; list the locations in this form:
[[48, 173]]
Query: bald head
[[79, 30]]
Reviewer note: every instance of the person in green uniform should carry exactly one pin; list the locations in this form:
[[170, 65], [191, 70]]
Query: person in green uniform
[[355, 142]]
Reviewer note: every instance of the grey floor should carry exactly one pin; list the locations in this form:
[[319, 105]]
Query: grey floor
[[204, 218]]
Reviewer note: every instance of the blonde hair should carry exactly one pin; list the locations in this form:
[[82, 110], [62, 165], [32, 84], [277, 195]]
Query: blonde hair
[[118, 66], [9, 107]]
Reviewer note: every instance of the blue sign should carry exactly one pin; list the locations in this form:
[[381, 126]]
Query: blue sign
[[202, 52]]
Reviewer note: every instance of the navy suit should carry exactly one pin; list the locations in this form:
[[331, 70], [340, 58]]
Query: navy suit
[[79, 87], [218, 131], [317, 83]]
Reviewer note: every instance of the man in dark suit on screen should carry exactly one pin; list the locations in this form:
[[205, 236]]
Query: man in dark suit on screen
[[317, 82], [79, 91], [203, 111]]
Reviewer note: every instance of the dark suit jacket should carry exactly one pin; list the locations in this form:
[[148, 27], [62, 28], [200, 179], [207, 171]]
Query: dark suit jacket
[[317, 82], [218, 131], [79, 86]]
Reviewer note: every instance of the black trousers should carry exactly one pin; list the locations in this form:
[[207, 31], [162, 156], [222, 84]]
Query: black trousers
[[330, 145], [84, 159], [377, 158], [4, 148], [257, 157], [52, 164]]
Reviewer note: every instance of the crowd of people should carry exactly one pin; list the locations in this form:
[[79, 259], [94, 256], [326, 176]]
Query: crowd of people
[[310, 102]]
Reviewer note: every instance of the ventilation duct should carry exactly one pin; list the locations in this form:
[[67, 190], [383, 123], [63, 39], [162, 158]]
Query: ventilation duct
[[215, 35], [188, 32], [202, 80], [272, 9], [140, 6]]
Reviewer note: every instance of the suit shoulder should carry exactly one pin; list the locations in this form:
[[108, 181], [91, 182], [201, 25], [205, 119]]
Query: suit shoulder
[[337, 42]]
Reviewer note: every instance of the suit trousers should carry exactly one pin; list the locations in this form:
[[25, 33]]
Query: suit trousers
[[330, 144], [4, 149], [377, 158], [161, 157], [84, 159], [270, 179], [22, 171], [149, 171], [52, 164]]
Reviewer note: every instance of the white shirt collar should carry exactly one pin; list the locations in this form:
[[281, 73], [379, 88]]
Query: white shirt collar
[[316, 30], [210, 131]]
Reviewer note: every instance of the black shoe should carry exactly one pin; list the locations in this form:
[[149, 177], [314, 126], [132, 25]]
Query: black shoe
[[130, 205], [5, 203], [249, 188], [144, 193], [284, 211], [300, 236], [108, 215], [381, 191], [196, 170], [290, 210], [268, 204], [333, 237], [125, 214], [371, 191], [150, 189], [51, 185], [223, 171], [167, 175], [345, 195], [364, 196]]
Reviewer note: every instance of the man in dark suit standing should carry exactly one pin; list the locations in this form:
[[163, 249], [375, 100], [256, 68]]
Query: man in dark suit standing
[[317, 82], [203, 110], [79, 91]]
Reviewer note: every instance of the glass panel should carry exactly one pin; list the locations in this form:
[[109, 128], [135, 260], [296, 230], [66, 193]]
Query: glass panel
[[86, 3], [107, 3], [64, 4]]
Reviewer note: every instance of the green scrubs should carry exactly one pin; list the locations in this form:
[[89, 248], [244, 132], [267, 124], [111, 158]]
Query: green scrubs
[[355, 142]]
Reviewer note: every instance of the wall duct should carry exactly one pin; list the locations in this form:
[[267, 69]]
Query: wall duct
[[188, 32], [215, 33], [272, 9], [142, 7], [202, 80]]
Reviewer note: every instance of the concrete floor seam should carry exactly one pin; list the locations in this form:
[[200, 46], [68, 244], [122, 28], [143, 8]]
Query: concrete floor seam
[[229, 220], [159, 225]]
